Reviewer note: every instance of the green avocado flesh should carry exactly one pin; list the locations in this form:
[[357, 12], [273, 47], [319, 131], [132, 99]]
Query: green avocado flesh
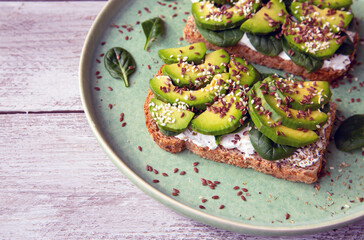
[[208, 16], [334, 4], [290, 117], [305, 94], [220, 118], [276, 131], [266, 148], [173, 118], [336, 20], [164, 89], [242, 72], [267, 19], [314, 41], [222, 2], [191, 53], [184, 74]]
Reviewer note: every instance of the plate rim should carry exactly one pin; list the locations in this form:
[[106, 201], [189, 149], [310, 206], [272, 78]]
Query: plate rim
[[219, 222]]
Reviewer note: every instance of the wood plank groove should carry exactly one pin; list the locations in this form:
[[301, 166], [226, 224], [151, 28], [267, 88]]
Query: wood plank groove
[[42, 112], [41, 44], [55, 180], [56, 183]]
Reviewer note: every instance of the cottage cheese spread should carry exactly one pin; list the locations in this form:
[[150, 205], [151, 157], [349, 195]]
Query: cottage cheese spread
[[239, 140], [336, 62], [302, 157], [199, 139]]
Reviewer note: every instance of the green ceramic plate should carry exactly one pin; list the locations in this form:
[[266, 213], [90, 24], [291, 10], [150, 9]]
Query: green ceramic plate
[[268, 199]]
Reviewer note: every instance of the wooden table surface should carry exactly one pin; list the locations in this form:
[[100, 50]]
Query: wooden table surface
[[55, 180]]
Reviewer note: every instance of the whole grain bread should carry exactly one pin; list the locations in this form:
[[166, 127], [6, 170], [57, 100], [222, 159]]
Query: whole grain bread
[[191, 35], [284, 169]]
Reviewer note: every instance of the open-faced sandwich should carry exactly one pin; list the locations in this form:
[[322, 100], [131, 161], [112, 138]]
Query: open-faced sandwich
[[315, 39], [221, 108]]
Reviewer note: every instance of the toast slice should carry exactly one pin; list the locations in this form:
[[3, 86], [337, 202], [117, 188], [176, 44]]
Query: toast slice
[[287, 168], [191, 35]]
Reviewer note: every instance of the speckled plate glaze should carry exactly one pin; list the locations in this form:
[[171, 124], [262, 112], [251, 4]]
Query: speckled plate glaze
[[268, 199]]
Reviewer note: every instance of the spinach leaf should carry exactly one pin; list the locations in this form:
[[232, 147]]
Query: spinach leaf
[[347, 47], [266, 44], [350, 134], [325, 108], [120, 64], [309, 63], [152, 28], [266, 148], [223, 38]]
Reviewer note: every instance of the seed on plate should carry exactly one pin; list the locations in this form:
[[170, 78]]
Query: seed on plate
[[149, 168], [203, 182]]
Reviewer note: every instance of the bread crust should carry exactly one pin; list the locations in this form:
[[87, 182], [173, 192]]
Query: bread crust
[[191, 35], [282, 169]]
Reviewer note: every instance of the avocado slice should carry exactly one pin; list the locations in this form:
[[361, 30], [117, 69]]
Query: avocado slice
[[191, 53], [209, 16], [222, 2], [164, 89], [184, 74], [302, 95], [241, 127], [267, 19], [334, 4], [289, 117], [242, 72], [336, 20], [314, 40], [171, 118], [276, 131], [266, 148], [222, 117]]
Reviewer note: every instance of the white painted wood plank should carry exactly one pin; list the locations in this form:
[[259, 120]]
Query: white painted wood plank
[[40, 45], [56, 183]]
